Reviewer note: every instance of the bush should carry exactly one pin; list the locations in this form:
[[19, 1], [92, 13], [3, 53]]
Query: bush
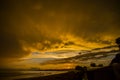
[[100, 65], [78, 68], [93, 65]]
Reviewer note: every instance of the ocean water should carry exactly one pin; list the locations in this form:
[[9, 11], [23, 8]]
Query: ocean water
[[12, 75]]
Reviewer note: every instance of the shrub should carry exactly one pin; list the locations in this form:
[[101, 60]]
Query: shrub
[[100, 65], [93, 65]]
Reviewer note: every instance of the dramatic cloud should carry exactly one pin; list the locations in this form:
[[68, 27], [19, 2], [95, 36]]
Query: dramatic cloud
[[28, 26]]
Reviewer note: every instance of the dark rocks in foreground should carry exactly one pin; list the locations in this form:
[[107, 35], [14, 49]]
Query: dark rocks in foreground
[[105, 73]]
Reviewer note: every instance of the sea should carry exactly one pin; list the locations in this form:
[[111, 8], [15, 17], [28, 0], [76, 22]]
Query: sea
[[13, 75]]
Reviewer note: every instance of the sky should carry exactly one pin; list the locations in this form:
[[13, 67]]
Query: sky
[[28, 26]]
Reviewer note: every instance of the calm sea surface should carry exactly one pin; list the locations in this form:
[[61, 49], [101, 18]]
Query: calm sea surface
[[11, 75]]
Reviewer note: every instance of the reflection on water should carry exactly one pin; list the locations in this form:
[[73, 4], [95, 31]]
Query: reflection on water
[[11, 75]]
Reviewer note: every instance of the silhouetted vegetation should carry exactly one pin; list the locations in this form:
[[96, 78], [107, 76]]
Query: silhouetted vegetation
[[100, 65], [93, 64]]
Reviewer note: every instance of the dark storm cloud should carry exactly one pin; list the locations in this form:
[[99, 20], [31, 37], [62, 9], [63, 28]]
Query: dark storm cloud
[[39, 24], [106, 47]]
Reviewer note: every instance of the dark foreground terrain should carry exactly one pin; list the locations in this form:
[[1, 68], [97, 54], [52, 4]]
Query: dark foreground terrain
[[63, 76], [105, 73]]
